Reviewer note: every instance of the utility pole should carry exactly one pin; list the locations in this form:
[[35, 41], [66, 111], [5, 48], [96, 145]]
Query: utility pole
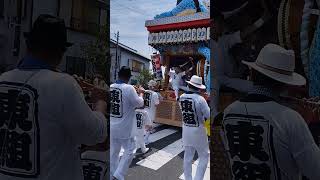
[[116, 64]]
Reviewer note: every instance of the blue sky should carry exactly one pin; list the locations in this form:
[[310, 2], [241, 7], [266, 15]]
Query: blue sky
[[129, 16]]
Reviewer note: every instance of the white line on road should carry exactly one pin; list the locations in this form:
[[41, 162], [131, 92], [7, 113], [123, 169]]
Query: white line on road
[[194, 169], [161, 157], [161, 134], [156, 136]]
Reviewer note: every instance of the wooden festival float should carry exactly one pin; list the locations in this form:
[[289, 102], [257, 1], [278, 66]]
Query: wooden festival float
[[178, 37], [293, 26]]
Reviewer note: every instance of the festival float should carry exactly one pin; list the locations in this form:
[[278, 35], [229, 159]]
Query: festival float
[[294, 25], [181, 36]]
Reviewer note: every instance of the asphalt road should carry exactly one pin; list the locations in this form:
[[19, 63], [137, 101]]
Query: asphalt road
[[165, 160]]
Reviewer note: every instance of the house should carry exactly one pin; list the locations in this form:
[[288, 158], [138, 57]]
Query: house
[[127, 56], [83, 18]]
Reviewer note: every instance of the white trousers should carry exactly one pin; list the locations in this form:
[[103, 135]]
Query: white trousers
[[140, 142], [176, 92], [203, 157], [119, 167], [146, 137]]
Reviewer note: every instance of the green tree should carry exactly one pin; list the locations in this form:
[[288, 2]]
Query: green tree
[[97, 53], [144, 77]]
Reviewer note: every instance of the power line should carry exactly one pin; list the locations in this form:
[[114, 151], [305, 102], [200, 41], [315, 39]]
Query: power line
[[131, 9]]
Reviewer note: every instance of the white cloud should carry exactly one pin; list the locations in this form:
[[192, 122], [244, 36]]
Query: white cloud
[[129, 16]]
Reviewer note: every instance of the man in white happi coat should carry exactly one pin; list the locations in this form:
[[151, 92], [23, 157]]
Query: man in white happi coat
[[195, 111], [44, 115], [143, 124], [176, 80], [95, 158], [151, 101], [264, 139], [124, 101]]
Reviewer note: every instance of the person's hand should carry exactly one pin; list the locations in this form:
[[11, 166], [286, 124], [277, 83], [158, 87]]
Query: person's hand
[[140, 90], [101, 147], [101, 106]]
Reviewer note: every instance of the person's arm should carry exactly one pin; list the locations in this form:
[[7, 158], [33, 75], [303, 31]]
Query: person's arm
[[80, 122], [251, 29], [240, 85], [135, 99], [302, 146], [100, 106], [183, 73], [100, 147], [259, 23]]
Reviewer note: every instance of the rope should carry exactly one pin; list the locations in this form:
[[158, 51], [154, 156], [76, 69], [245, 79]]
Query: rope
[[280, 24], [286, 25]]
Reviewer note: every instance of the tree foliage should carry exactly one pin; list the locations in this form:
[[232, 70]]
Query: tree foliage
[[97, 53], [144, 77]]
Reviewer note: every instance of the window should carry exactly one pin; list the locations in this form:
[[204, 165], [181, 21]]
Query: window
[[77, 19], [137, 66], [93, 18], [86, 16]]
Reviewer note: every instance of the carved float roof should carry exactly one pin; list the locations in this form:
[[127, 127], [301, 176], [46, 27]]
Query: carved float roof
[[178, 22]]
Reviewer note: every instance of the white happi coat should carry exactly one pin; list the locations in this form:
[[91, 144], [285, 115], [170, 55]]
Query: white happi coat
[[124, 100], [195, 111], [142, 119], [95, 165], [151, 100], [176, 79], [269, 139], [51, 121]]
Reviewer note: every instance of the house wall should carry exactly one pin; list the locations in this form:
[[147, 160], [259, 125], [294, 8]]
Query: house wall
[[126, 58], [34, 8]]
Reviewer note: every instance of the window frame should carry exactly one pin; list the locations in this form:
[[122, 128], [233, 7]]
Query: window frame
[[134, 68]]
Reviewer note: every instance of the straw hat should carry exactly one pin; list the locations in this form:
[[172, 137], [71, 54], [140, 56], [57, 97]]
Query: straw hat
[[277, 63], [196, 81], [152, 83]]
